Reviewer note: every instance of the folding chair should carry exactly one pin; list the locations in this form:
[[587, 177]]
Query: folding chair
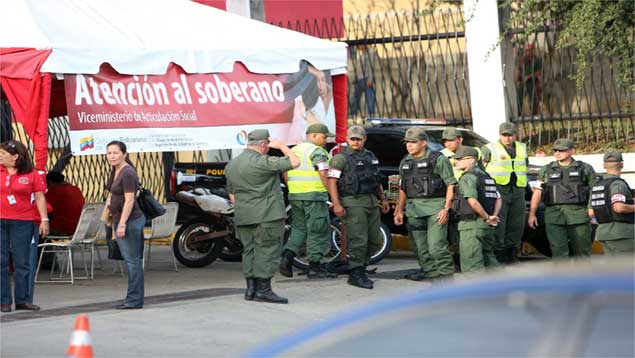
[[162, 227], [86, 227]]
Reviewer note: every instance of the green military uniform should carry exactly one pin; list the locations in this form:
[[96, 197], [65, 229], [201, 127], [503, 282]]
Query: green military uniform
[[616, 231], [567, 223], [309, 210], [362, 220], [259, 211], [428, 238], [476, 236], [508, 167]]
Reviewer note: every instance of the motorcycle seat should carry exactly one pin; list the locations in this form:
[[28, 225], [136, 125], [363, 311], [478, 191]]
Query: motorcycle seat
[[186, 198], [222, 192]]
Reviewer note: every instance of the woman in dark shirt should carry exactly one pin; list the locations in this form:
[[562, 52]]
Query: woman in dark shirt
[[127, 220]]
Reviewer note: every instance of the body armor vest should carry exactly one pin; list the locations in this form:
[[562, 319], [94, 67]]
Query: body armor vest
[[602, 206], [566, 186], [419, 179], [362, 176], [487, 195]]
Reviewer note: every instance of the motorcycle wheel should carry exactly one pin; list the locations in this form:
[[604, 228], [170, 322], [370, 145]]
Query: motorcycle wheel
[[233, 249], [196, 254], [333, 252]]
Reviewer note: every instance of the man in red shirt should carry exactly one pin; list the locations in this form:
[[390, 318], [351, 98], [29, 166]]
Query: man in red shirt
[[67, 202]]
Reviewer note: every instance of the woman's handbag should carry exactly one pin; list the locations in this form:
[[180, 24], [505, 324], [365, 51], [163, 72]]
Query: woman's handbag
[[150, 206], [113, 247]]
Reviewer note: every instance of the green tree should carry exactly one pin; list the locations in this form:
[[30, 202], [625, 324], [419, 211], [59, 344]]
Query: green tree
[[592, 27]]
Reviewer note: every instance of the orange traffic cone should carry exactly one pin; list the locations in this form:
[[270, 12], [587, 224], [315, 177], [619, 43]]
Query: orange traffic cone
[[80, 346]]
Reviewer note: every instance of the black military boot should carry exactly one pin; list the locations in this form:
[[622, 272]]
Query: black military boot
[[418, 275], [251, 288], [265, 294], [358, 278], [501, 256], [316, 271], [512, 257], [286, 263]]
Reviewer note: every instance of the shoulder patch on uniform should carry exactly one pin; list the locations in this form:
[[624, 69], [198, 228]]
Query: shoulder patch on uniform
[[334, 173], [618, 198]]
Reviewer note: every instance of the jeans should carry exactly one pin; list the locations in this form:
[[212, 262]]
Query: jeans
[[360, 86], [131, 251], [16, 237]]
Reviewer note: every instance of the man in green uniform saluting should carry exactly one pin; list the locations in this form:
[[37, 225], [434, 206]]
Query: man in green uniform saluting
[[612, 206], [355, 190], [253, 183], [477, 204], [309, 210], [426, 192], [564, 186]]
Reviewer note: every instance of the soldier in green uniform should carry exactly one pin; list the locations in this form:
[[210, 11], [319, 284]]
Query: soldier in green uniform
[[355, 189], [612, 206], [564, 186], [253, 183], [506, 161], [309, 210], [426, 192], [477, 204]]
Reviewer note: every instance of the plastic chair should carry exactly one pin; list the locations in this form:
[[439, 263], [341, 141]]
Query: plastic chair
[[162, 227], [87, 227]]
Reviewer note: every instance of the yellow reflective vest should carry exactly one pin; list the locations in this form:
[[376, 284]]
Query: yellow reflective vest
[[450, 155], [305, 178], [501, 165]]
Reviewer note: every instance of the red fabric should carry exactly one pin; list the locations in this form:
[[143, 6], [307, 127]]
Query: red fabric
[[67, 202], [320, 18], [21, 187], [340, 101], [219, 4], [29, 93]]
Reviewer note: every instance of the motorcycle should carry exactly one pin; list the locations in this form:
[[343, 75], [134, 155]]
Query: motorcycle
[[210, 234]]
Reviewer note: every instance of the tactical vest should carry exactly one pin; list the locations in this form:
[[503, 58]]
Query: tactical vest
[[305, 178], [602, 206], [361, 175], [419, 179], [566, 186], [487, 195], [501, 165]]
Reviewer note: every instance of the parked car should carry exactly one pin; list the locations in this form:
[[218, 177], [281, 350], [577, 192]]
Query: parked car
[[548, 309]]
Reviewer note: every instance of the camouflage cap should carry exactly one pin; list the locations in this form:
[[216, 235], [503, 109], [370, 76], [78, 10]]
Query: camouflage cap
[[257, 135], [507, 128], [414, 134], [466, 151], [319, 128], [613, 157], [356, 132], [451, 134], [563, 144]]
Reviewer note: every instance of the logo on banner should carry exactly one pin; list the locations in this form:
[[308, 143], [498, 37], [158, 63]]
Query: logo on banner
[[86, 143], [241, 137]]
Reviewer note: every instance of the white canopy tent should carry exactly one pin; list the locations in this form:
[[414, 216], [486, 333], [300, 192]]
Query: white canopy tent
[[144, 36]]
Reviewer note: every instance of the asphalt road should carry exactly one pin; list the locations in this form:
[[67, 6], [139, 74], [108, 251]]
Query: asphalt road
[[193, 312]]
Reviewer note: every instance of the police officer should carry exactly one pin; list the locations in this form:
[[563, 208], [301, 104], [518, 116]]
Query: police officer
[[355, 189], [506, 161], [308, 197], [427, 190], [563, 185], [612, 205], [253, 183], [477, 203], [452, 139]]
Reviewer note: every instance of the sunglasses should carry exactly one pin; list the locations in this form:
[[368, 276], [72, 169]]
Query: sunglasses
[[560, 150]]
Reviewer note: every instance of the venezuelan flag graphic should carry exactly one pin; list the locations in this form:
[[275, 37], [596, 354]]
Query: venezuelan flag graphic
[[86, 143]]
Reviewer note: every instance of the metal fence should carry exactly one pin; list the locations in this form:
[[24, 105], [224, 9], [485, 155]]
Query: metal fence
[[416, 62], [408, 64]]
